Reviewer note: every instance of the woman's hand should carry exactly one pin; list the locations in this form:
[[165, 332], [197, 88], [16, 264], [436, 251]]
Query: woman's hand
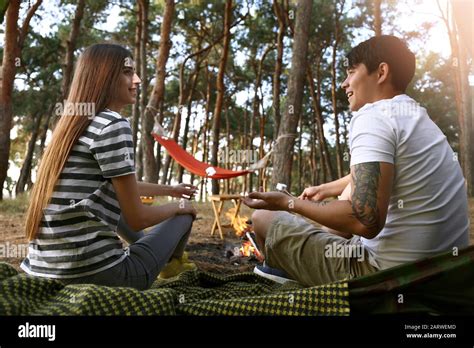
[[186, 207], [315, 193], [326, 190], [182, 190], [269, 200]]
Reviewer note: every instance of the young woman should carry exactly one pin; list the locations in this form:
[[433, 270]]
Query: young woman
[[86, 194]]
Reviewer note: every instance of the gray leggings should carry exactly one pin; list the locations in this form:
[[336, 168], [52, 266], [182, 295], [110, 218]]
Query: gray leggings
[[149, 253]]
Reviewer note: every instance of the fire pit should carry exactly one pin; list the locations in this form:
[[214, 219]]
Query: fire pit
[[247, 249]]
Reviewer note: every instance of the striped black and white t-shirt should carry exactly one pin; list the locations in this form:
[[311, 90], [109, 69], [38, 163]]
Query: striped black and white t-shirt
[[77, 234]]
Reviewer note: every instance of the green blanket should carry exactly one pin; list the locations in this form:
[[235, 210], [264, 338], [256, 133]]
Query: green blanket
[[443, 284], [192, 293]]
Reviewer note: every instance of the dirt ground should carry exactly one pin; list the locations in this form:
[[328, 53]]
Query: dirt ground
[[210, 253]]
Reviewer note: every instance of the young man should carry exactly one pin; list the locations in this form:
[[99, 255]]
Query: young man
[[407, 193]]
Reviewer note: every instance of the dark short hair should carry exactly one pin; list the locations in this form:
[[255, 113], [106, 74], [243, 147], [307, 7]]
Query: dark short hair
[[388, 49]]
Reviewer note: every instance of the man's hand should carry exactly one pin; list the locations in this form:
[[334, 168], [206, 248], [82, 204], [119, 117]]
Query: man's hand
[[182, 190], [269, 201]]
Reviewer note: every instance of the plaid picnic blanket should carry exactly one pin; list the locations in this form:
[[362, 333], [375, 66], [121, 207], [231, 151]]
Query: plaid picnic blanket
[[192, 293], [442, 284]]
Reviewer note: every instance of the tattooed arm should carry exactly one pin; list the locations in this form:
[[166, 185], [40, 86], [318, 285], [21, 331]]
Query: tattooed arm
[[365, 214], [371, 194]]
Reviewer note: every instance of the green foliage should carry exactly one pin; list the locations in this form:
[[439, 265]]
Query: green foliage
[[199, 24], [433, 88], [3, 9], [39, 71]]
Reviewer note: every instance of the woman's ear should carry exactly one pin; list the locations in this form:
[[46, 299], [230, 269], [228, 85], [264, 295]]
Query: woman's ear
[[382, 72]]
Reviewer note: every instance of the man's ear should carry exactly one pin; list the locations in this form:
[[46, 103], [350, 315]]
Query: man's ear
[[383, 72]]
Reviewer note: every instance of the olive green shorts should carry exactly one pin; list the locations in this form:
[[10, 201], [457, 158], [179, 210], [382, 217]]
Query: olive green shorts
[[312, 256]]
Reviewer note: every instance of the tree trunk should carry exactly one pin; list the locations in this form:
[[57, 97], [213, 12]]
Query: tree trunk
[[300, 155], [175, 136], [256, 110], [14, 39], [334, 91], [184, 91], [245, 145], [170, 175], [461, 89], [283, 155], [25, 171], [220, 91], [194, 148], [143, 6], [377, 18], [42, 135], [139, 162], [156, 99], [229, 144], [313, 156], [70, 47], [250, 147], [465, 48], [44, 132], [8, 77], [463, 12], [188, 117], [327, 154], [205, 138], [465, 120], [326, 166], [345, 136], [261, 172], [136, 107], [278, 66]]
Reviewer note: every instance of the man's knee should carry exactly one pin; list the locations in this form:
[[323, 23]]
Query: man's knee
[[261, 221], [259, 217]]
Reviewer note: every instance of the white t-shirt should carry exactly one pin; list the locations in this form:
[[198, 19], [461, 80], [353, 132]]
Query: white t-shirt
[[428, 211]]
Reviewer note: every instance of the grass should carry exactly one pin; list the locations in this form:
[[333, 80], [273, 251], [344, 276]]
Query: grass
[[15, 205]]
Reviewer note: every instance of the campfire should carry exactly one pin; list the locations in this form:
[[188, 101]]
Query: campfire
[[243, 230]]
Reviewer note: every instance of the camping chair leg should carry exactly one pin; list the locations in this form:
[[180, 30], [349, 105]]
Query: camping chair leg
[[217, 213], [214, 224]]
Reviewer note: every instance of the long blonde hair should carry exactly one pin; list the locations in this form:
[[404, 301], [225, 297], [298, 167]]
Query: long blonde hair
[[95, 81]]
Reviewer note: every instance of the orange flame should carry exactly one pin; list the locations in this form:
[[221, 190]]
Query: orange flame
[[239, 224], [241, 228], [247, 249]]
